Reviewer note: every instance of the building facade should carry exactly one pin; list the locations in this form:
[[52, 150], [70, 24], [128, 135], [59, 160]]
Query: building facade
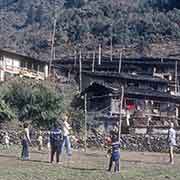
[[13, 64], [151, 85]]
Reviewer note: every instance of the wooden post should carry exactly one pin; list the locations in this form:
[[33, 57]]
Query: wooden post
[[54, 57], [54, 53], [80, 71], [75, 58], [85, 123], [111, 105], [93, 63], [111, 57], [120, 111], [69, 75], [99, 60], [120, 62], [52, 45], [176, 79]]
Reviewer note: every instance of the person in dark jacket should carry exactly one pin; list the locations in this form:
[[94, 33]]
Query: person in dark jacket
[[115, 154], [55, 142]]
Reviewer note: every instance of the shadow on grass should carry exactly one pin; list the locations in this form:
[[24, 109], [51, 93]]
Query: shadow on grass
[[38, 161], [67, 167], [83, 169]]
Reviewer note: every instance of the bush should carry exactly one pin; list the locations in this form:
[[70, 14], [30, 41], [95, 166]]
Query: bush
[[38, 102]]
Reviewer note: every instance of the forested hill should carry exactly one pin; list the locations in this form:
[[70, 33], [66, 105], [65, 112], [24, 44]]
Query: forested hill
[[142, 27]]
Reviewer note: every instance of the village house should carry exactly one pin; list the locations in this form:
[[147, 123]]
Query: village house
[[151, 90], [142, 108], [164, 68], [13, 64]]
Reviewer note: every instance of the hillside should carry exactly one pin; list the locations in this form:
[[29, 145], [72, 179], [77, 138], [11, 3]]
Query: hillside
[[143, 27]]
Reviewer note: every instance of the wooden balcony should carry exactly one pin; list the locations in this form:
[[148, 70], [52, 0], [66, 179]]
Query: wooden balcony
[[24, 72]]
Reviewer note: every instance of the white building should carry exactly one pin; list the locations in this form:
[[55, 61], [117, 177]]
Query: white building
[[15, 64]]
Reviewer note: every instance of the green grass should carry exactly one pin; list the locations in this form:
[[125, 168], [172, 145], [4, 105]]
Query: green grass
[[90, 166]]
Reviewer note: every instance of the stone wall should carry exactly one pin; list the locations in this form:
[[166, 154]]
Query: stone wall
[[154, 143], [130, 142]]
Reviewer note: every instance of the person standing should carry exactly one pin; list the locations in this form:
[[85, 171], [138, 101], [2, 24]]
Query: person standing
[[171, 142], [25, 141], [66, 139], [55, 141], [115, 154]]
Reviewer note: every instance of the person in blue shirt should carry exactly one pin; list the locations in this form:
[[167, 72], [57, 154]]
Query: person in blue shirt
[[55, 142], [115, 154]]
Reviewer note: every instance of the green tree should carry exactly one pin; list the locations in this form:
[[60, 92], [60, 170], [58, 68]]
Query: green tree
[[39, 102], [6, 113]]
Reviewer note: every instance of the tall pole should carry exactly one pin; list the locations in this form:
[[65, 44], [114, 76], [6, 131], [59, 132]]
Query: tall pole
[[120, 61], [111, 57], [85, 123], [75, 58], [99, 60], [52, 45], [80, 71], [54, 53], [93, 63], [54, 57], [176, 79], [120, 110]]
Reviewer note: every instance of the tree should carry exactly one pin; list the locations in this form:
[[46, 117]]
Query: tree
[[39, 102], [30, 16], [39, 14], [6, 113], [74, 3]]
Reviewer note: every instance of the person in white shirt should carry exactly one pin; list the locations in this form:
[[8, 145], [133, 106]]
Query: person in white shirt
[[66, 139], [171, 142], [6, 140]]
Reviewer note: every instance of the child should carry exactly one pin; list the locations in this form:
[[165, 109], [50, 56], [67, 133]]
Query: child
[[6, 140], [40, 141], [171, 142], [115, 154]]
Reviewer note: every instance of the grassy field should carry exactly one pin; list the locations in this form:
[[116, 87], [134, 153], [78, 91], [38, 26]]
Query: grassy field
[[86, 166]]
